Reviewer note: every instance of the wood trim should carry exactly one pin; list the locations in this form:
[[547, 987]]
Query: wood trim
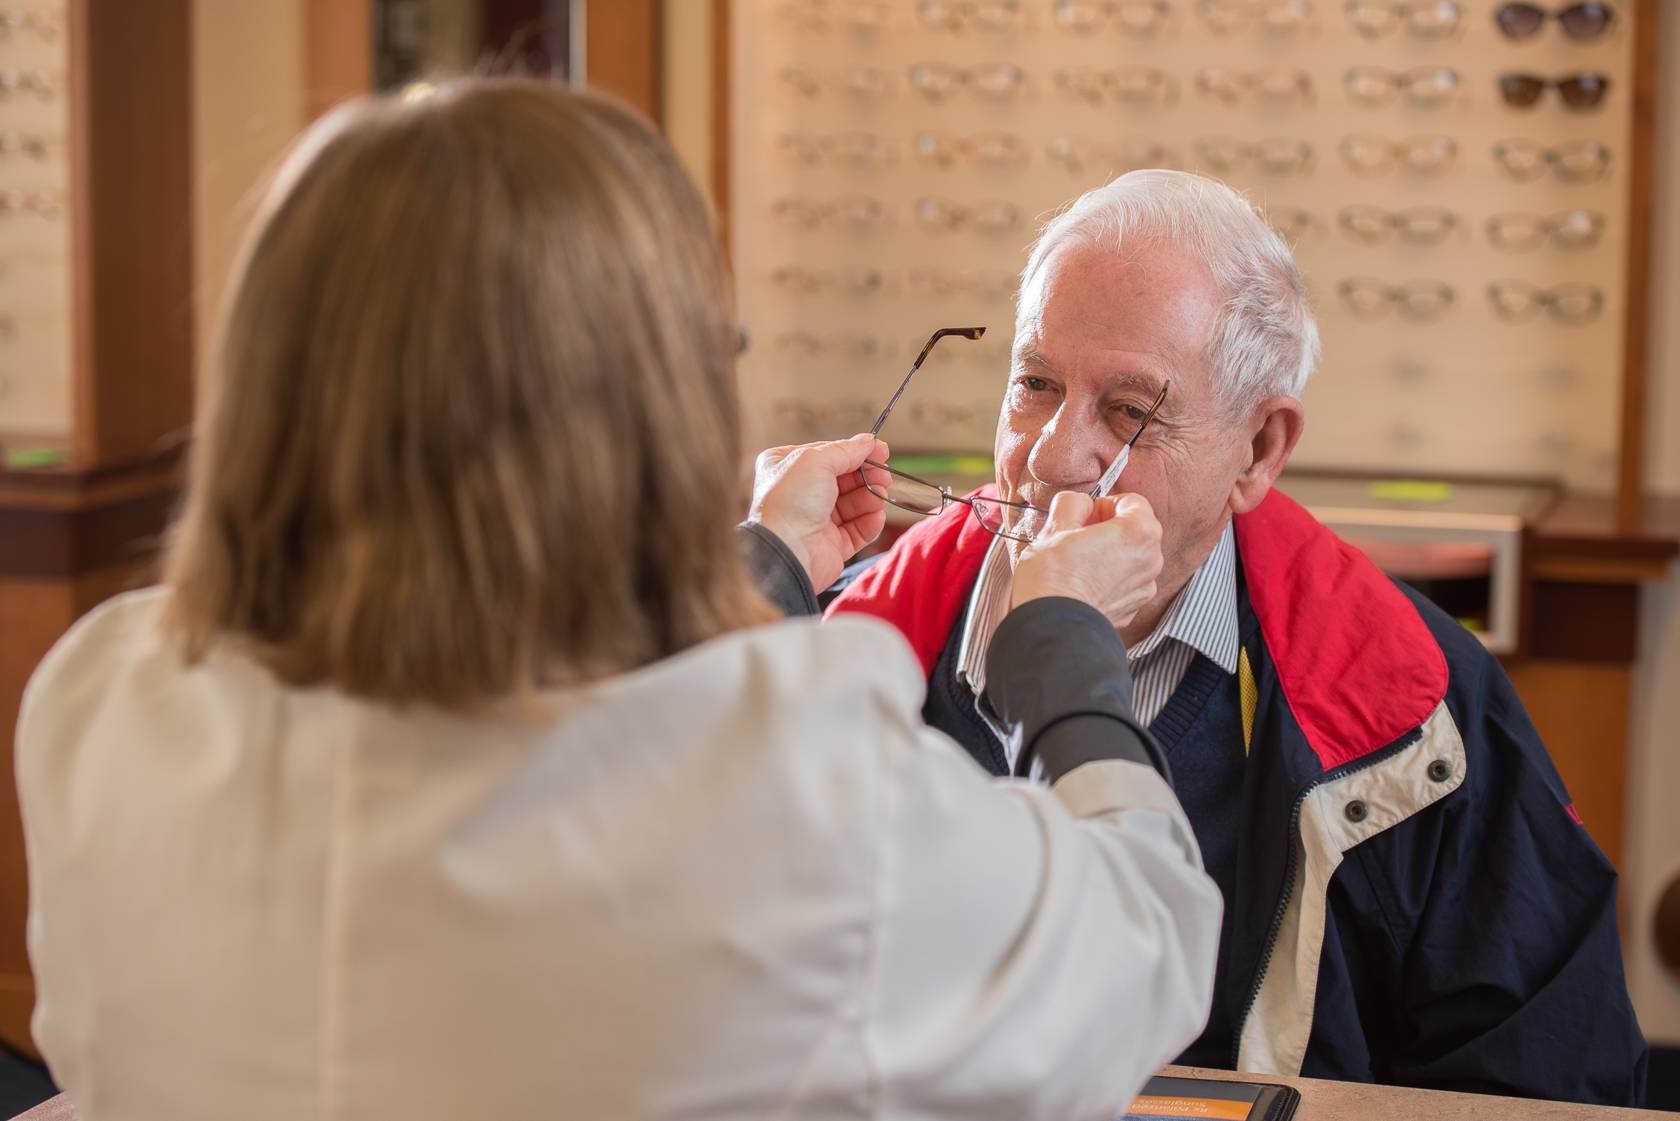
[[58, 544], [622, 52], [1642, 141], [721, 120], [1583, 527], [338, 46], [132, 221], [17, 1005]]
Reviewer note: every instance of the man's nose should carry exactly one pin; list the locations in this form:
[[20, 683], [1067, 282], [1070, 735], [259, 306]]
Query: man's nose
[[1067, 452]]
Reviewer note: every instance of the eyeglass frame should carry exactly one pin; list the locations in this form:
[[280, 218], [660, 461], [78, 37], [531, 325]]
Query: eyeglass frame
[[973, 504]]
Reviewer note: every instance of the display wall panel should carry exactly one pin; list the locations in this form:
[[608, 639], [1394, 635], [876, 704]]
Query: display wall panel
[[35, 327], [891, 161]]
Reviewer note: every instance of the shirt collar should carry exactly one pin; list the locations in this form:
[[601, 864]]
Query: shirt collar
[[1203, 616]]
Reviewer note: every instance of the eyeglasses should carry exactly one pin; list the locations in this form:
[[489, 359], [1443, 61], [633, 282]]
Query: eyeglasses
[[42, 24], [1141, 86], [941, 215], [1366, 154], [919, 496], [1275, 87], [828, 418], [938, 82], [941, 284], [857, 284], [1569, 229], [861, 150], [1079, 155], [33, 146], [1276, 156], [1425, 19], [1517, 301], [1425, 87], [997, 17], [42, 204], [864, 17], [1580, 22], [1420, 225], [860, 214], [1581, 162], [1271, 16], [1291, 222], [44, 86], [987, 151], [1418, 300], [1141, 18], [1579, 91], [865, 84], [846, 346]]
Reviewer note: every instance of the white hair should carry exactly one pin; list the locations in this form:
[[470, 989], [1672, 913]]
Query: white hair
[[1265, 342]]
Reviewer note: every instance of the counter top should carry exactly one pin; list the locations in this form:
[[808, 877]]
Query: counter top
[[1320, 1101], [1357, 1101]]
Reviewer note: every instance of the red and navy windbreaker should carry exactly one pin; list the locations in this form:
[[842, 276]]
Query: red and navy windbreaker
[[1416, 901]]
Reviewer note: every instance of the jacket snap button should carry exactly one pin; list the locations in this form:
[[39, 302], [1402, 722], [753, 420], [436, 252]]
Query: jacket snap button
[[1440, 770], [1357, 811]]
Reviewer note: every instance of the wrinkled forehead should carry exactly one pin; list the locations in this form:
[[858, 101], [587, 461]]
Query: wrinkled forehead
[[1087, 301]]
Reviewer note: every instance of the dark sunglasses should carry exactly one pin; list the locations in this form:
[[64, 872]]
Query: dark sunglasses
[[1579, 91], [1579, 21]]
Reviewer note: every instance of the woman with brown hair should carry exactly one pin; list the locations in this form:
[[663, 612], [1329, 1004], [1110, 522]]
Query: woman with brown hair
[[459, 769]]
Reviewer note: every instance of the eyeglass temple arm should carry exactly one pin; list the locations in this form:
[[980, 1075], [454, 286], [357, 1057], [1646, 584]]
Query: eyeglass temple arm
[[965, 332]]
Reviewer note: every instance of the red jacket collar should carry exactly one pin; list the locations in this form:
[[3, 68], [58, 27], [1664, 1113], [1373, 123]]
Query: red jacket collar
[[1357, 665]]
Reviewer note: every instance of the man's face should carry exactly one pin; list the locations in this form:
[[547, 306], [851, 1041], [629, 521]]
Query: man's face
[[1097, 336]]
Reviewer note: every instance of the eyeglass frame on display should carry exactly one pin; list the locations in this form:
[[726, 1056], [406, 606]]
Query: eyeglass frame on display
[[1397, 152], [1552, 158], [1545, 230], [1403, 13]]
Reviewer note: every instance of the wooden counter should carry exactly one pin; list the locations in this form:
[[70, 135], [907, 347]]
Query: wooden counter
[[1358, 1101], [1320, 1101]]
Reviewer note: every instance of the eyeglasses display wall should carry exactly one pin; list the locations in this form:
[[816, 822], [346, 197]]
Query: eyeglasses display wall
[[1452, 174], [35, 339]]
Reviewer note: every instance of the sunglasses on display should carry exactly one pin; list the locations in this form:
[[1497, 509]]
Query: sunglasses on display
[[1581, 22], [1579, 91]]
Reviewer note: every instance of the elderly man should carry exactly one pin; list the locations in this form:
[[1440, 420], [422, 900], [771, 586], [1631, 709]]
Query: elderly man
[[1409, 898]]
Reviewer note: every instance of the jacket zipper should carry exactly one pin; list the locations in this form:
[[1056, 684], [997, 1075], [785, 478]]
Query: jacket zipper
[[1289, 879]]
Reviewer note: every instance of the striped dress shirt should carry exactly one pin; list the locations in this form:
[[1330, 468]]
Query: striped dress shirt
[[1202, 618]]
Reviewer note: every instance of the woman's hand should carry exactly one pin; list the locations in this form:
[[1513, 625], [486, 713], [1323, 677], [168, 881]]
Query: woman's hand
[[1106, 553], [811, 497]]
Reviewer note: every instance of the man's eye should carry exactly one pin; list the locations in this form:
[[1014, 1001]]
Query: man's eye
[[1134, 413], [1032, 384]]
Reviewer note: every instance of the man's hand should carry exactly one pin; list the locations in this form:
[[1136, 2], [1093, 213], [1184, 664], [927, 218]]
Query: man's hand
[[1106, 553], [811, 497]]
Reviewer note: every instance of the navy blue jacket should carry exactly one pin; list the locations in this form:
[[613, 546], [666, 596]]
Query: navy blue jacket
[[1416, 901]]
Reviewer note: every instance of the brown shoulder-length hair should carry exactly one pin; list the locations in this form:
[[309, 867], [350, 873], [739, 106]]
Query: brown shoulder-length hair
[[473, 426]]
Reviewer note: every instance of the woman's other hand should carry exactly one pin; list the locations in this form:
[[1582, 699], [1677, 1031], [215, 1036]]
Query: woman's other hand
[[812, 498], [1105, 552]]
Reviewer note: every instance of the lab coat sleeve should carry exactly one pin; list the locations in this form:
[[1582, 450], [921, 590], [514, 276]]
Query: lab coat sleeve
[[1040, 951]]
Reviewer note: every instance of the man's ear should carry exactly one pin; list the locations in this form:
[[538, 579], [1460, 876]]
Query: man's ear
[[1276, 425]]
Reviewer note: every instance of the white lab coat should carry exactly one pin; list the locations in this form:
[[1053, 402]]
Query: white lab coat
[[745, 882]]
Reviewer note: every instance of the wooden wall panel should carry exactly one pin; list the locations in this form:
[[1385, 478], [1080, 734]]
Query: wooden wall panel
[[338, 41], [131, 209], [623, 57], [1581, 710]]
